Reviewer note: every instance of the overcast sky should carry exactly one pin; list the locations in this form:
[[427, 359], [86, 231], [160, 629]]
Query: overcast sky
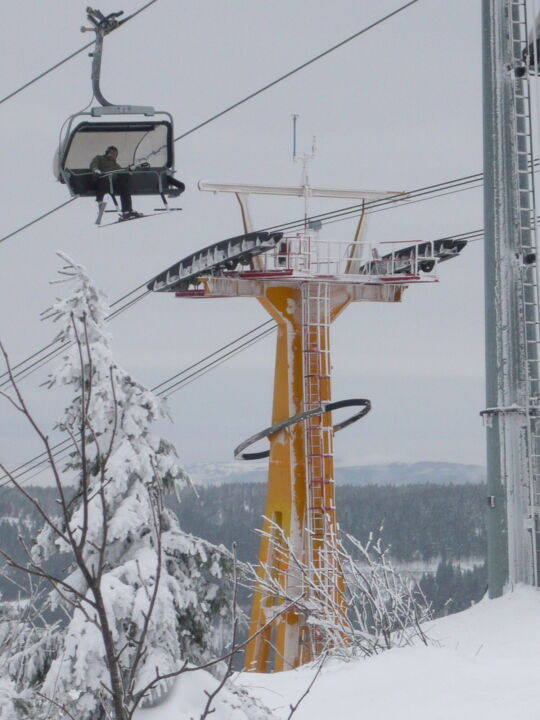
[[398, 108]]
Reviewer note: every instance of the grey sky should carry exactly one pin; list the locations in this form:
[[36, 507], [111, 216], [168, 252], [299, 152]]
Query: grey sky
[[399, 108]]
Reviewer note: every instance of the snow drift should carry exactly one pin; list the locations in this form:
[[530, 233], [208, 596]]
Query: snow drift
[[482, 662]]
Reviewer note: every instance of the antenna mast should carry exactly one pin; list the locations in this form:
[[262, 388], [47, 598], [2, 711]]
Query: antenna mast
[[304, 159]]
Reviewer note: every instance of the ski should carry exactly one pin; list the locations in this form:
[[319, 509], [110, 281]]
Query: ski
[[121, 220], [101, 209]]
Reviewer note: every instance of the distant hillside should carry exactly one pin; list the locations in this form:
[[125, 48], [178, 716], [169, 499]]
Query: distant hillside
[[420, 523], [435, 473], [434, 531]]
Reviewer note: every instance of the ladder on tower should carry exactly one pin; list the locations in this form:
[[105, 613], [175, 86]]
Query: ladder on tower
[[529, 295], [321, 550]]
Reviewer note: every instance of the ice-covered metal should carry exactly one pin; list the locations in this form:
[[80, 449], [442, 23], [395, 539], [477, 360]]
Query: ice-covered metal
[[512, 300]]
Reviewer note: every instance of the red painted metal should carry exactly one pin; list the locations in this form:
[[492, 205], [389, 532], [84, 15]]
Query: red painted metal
[[190, 293]]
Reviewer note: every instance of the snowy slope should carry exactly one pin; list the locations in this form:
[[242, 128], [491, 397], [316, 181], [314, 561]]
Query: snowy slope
[[485, 662], [188, 699]]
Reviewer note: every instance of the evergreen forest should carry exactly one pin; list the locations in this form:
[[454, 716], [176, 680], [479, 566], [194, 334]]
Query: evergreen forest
[[437, 532]]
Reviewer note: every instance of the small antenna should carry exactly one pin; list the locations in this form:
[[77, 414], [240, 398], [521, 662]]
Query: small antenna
[[294, 121], [304, 159]]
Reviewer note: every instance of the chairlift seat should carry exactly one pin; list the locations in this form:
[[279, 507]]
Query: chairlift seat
[[146, 143], [148, 181]]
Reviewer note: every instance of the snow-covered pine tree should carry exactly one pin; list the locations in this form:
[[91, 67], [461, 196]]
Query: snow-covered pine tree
[[14, 705], [27, 646], [142, 594]]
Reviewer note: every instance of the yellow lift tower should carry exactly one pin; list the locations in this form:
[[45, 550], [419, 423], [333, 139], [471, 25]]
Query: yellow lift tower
[[304, 282]]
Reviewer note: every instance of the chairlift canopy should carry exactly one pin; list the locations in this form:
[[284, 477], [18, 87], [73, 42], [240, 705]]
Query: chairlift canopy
[[147, 146], [137, 142]]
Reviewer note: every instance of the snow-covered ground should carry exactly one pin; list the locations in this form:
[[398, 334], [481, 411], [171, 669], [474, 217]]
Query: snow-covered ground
[[484, 662]]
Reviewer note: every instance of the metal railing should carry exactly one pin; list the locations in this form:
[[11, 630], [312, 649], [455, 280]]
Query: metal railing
[[306, 254]]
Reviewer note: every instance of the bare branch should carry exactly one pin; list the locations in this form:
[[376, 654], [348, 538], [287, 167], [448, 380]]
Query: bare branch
[[144, 632], [37, 571], [29, 416], [11, 401], [229, 672], [60, 707], [377, 608], [46, 519], [187, 668], [296, 705]]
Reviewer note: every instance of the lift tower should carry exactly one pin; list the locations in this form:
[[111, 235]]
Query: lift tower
[[512, 301], [304, 283]]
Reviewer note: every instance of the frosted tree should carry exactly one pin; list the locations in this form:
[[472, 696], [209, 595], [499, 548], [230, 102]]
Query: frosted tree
[[377, 607], [141, 593], [27, 646], [14, 705]]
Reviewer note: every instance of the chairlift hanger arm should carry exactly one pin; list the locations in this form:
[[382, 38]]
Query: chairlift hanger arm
[[102, 25]]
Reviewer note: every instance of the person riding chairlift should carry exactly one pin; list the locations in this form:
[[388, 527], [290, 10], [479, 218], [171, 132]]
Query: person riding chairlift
[[107, 169]]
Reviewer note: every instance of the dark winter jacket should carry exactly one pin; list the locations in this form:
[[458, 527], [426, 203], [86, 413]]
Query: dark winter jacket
[[104, 163]]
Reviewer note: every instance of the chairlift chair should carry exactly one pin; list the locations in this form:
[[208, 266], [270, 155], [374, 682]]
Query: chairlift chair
[[146, 147], [144, 136]]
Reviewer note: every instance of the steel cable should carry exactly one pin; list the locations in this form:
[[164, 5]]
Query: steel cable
[[295, 70], [418, 195], [180, 380], [69, 57], [172, 385], [226, 110]]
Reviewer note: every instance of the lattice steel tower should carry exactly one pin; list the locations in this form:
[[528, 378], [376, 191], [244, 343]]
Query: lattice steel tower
[[512, 300]]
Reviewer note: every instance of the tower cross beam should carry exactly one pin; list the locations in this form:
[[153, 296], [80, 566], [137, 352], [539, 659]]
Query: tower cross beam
[[299, 190]]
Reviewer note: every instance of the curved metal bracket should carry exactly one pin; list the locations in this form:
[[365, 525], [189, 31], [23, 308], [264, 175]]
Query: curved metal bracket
[[96, 70], [239, 453], [102, 25]]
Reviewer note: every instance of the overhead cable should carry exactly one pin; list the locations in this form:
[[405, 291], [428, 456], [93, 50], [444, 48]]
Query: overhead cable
[[167, 387], [295, 70], [222, 112], [35, 220], [22, 369], [465, 182], [176, 382], [427, 192], [69, 57]]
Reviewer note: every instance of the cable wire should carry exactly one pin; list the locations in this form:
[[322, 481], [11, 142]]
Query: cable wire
[[339, 215], [178, 380], [171, 389], [20, 372], [33, 222], [168, 387], [46, 72], [295, 70], [230, 107], [335, 215], [156, 388], [69, 57]]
